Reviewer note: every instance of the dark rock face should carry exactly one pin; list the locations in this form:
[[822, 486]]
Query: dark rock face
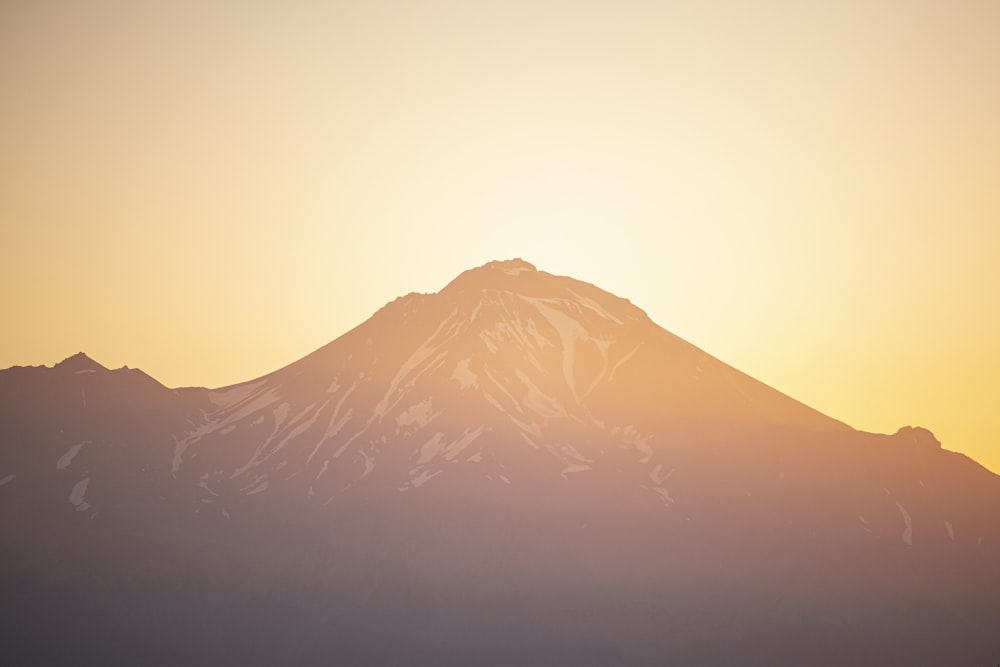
[[521, 468]]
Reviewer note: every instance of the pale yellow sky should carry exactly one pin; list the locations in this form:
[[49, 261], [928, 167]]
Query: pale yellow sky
[[809, 191]]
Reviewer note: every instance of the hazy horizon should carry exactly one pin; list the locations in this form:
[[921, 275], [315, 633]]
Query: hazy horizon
[[211, 192]]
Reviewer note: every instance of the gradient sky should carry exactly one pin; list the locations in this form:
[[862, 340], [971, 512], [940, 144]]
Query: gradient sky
[[809, 191]]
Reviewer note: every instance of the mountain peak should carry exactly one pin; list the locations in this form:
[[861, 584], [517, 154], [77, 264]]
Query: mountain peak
[[509, 266], [79, 362], [492, 274]]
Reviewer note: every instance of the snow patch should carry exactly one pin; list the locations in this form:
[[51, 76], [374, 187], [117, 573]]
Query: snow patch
[[499, 385], [632, 437], [534, 445], [569, 331], [657, 475], [77, 495], [436, 446], [463, 441], [664, 495], [908, 524], [466, 378], [204, 485], [490, 345], [336, 423], [416, 415], [232, 396], [369, 463], [419, 479], [658, 478], [416, 363], [574, 453], [618, 364], [538, 401], [595, 306], [280, 415], [423, 478], [70, 454], [267, 450], [257, 489], [180, 446], [254, 403], [494, 402], [431, 448], [241, 401]]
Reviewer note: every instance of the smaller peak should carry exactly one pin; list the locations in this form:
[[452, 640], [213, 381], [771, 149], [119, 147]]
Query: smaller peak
[[79, 362], [918, 438]]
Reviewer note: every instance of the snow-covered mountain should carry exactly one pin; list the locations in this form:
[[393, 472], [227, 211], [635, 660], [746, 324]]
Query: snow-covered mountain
[[518, 468], [508, 374]]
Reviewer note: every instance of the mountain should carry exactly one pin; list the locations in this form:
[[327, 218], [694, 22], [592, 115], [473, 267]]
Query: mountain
[[520, 468]]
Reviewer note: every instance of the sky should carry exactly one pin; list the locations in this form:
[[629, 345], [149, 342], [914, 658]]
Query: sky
[[806, 190]]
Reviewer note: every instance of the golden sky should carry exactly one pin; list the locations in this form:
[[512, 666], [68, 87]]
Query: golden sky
[[809, 191]]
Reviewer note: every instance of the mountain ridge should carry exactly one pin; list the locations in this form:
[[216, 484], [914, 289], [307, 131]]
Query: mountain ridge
[[524, 459]]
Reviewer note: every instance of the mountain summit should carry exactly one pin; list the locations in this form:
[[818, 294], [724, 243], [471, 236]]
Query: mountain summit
[[520, 468]]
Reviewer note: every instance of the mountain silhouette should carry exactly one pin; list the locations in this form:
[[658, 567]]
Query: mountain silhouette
[[521, 468]]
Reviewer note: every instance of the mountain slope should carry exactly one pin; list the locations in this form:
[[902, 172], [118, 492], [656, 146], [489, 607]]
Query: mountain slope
[[518, 468]]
